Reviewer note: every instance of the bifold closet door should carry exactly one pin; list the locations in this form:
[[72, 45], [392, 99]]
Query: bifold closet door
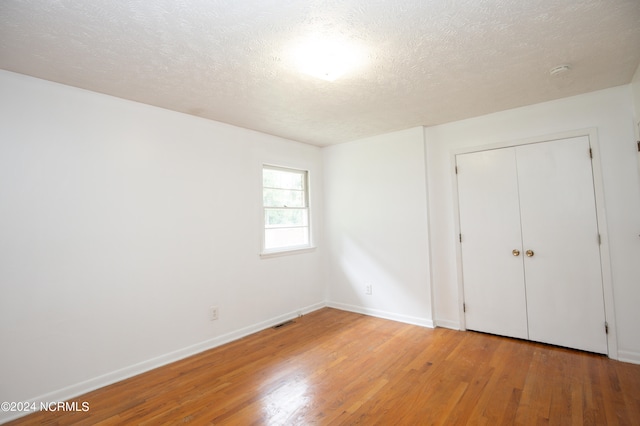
[[493, 276], [563, 277]]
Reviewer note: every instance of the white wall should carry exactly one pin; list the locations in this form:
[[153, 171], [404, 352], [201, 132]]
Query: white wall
[[120, 224], [376, 226], [610, 112], [635, 90]]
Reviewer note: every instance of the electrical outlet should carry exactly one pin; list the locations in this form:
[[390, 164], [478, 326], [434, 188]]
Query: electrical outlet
[[369, 290], [213, 313]]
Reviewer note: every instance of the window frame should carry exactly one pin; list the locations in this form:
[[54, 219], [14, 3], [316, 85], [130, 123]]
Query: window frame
[[290, 249]]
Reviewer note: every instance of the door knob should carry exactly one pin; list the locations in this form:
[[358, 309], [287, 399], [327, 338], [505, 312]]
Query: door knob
[[516, 252], [529, 253]]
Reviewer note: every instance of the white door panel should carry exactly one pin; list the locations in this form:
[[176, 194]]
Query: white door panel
[[563, 278], [490, 225]]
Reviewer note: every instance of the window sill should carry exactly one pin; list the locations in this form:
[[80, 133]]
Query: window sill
[[286, 252]]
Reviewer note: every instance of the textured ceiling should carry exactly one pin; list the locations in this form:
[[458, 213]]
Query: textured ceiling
[[427, 62]]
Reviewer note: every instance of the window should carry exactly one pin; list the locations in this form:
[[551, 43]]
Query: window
[[286, 208]]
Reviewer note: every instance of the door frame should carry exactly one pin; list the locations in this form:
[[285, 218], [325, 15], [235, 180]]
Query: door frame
[[605, 260]]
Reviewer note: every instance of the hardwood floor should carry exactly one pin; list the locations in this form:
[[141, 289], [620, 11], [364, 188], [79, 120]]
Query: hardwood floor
[[333, 367]]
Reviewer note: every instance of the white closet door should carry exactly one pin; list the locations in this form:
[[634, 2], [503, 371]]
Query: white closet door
[[563, 277], [490, 225]]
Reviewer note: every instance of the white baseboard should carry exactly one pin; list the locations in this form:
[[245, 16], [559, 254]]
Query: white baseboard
[[454, 325], [628, 356], [424, 322], [86, 386]]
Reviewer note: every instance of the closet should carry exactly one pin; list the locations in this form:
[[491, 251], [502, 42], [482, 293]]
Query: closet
[[530, 246]]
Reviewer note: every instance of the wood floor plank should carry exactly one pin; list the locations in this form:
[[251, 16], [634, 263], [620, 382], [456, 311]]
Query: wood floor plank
[[333, 367]]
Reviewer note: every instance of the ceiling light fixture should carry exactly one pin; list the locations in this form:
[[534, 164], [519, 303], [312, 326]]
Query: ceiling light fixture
[[327, 58]]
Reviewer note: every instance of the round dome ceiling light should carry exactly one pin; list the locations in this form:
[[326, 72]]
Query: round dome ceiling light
[[560, 69], [326, 57]]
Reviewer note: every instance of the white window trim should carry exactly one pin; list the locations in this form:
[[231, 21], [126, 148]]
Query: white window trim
[[289, 250]]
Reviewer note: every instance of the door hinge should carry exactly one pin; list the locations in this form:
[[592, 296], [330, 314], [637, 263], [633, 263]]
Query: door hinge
[[457, 168], [599, 239], [638, 146], [606, 327], [590, 153], [464, 307], [460, 237]]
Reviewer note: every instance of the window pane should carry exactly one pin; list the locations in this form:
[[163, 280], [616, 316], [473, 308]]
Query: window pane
[[274, 218], [284, 237], [274, 178], [283, 198], [286, 212]]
